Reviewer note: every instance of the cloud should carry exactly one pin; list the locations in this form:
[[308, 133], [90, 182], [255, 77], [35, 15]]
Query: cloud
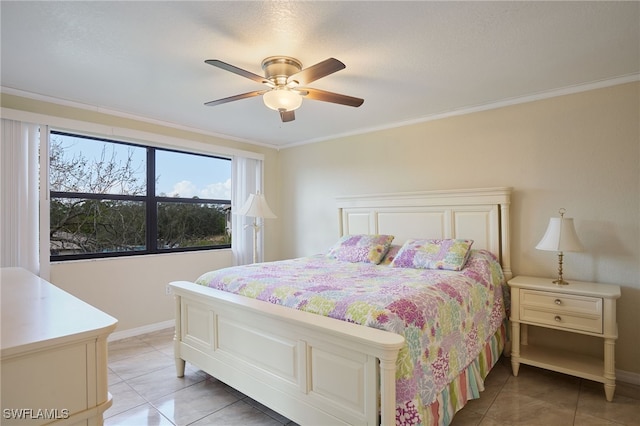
[[187, 189], [218, 190], [184, 189]]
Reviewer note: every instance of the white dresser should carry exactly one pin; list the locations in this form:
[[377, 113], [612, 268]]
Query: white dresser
[[53, 354]]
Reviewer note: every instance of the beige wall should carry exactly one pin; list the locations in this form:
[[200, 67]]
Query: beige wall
[[579, 151], [133, 289]]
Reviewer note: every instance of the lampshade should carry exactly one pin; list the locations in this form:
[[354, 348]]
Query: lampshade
[[256, 206], [282, 99], [560, 236]]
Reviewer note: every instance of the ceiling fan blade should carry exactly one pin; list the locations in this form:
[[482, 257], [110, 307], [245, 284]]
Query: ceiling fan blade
[[235, 98], [319, 70], [236, 70], [336, 98], [286, 116]]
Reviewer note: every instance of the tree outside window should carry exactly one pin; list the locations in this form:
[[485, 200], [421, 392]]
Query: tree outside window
[[102, 204]]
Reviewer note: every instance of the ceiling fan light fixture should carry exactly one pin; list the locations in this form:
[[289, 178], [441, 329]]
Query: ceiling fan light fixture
[[283, 76], [281, 98]]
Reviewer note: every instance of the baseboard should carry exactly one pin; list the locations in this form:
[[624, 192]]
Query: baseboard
[[132, 332], [628, 377]]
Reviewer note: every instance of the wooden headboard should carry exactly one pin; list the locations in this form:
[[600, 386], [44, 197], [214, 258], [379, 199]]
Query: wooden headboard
[[478, 214]]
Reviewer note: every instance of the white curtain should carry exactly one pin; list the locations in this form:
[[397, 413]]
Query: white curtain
[[246, 176], [20, 195]]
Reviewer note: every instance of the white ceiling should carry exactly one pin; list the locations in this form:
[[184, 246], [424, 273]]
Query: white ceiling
[[410, 61]]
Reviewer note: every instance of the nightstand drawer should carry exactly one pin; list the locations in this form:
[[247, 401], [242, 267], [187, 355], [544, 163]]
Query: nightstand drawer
[[562, 310], [590, 323]]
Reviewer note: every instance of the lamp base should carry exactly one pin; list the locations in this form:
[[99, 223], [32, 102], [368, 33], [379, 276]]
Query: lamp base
[[256, 228], [560, 280]]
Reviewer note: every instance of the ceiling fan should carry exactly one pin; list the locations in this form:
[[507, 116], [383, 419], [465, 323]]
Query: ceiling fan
[[285, 79]]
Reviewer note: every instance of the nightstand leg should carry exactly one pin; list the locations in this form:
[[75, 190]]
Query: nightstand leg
[[609, 369], [515, 366], [609, 390], [515, 347]]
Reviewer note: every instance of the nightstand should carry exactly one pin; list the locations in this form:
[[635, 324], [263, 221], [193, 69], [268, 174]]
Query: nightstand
[[580, 307]]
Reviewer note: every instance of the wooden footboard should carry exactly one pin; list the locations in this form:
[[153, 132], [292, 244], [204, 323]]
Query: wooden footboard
[[309, 368]]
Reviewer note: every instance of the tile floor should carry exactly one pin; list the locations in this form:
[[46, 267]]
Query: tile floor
[[146, 391]]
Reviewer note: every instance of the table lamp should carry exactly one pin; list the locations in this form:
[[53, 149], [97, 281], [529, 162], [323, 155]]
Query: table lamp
[[560, 237]]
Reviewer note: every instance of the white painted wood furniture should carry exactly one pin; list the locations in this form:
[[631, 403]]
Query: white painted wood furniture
[[54, 354], [317, 370], [579, 307]]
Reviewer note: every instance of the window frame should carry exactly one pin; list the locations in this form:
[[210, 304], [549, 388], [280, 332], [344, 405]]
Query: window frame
[[150, 199]]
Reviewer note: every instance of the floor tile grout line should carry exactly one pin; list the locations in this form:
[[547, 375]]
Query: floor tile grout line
[[146, 372], [152, 405], [126, 381], [575, 410], [159, 396], [501, 388], [139, 405], [155, 408], [146, 401], [213, 412]]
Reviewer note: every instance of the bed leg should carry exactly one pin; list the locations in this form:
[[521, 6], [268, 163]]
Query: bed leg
[[388, 391], [180, 364]]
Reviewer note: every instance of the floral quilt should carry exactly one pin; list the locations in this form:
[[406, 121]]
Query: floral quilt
[[445, 316]]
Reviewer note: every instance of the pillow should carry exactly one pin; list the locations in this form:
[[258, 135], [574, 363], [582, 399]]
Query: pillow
[[391, 254], [361, 248], [449, 254]]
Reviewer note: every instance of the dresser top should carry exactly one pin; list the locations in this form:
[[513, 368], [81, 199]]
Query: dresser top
[[37, 314], [608, 291]]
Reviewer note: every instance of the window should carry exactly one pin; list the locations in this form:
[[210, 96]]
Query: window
[[112, 198]]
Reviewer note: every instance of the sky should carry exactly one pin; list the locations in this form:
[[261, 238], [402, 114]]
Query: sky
[[178, 174], [188, 175]]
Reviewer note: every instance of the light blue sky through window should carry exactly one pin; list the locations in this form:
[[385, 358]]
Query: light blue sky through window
[[188, 176], [177, 174]]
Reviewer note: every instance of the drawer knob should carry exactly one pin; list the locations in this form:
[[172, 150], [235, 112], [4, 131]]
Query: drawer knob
[[557, 318], [558, 302]]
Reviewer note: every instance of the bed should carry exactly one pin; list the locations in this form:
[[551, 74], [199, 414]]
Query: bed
[[331, 370]]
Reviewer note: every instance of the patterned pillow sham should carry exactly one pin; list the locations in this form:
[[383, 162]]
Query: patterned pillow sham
[[449, 254], [361, 248], [391, 254]]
